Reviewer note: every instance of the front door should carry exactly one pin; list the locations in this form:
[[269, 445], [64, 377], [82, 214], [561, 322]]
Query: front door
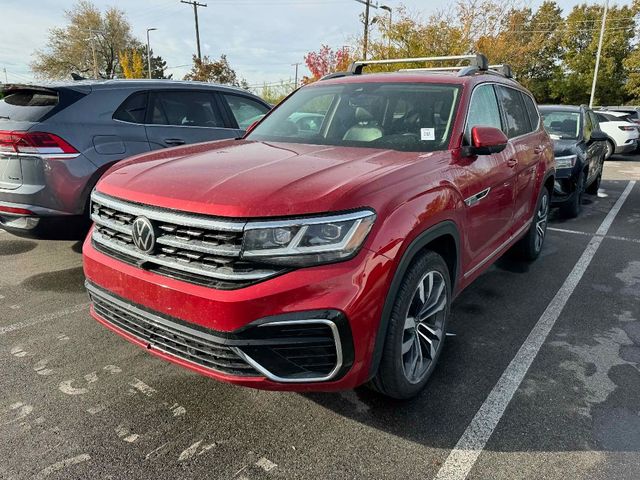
[[488, 182]]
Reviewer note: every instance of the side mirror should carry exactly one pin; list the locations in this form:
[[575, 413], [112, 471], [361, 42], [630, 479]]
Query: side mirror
[[486, 140], [598, 136]]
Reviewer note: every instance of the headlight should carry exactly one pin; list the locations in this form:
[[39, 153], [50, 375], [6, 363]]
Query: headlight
[[307, 241], [566, 162]]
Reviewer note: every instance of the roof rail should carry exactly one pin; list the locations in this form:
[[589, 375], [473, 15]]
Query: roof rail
[[502, 69], [329, 76], [477, 60]]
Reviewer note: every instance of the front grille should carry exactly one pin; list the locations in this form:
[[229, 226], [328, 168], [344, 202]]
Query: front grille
[[168, 335], [193, 248]]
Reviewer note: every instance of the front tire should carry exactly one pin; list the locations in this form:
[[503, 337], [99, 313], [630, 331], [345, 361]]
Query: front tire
[[417, 328], [573, 207], [595, 185]]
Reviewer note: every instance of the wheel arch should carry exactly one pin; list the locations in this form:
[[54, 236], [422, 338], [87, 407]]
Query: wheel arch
[[442, 238]]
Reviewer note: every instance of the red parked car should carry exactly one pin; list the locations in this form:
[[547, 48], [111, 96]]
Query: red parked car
[[323, 250]]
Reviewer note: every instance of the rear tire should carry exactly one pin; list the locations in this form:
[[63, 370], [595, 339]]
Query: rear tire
[[573, 207], [609, 149], [530, 246], [417, 328]]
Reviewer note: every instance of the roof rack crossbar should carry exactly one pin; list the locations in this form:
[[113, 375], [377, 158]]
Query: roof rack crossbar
[[476, 60]]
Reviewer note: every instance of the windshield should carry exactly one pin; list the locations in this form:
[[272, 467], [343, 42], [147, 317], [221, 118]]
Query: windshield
[[562, 125], [398, 116]]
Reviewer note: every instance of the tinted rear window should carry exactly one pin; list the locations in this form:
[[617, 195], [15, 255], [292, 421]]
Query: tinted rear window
[[27, 105], [133, 109], [516, 115]]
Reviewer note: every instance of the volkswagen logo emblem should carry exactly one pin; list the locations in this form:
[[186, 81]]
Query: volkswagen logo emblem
[[144, 236]]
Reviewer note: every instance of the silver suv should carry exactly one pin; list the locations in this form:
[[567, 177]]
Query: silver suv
[[56, 140]]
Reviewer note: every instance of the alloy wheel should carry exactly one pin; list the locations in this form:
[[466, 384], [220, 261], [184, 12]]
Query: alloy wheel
[[423, 328], [541, 221]]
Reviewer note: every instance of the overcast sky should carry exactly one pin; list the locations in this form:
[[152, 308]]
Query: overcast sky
[[261, 38]]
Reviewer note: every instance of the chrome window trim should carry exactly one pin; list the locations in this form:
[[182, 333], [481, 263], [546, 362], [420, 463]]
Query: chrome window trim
[[162, 215], [276, 378], [466, 120]]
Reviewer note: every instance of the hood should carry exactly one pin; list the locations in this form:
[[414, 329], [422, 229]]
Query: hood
[[564, 147], [253, 179]]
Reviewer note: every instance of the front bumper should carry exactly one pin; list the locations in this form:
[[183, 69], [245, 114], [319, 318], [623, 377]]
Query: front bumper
[[48, 186], [629, 146], [564, 186], [344, 300]]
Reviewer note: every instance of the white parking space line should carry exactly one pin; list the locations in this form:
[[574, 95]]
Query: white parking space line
[[611, 237], [43, 318], [466, 452]]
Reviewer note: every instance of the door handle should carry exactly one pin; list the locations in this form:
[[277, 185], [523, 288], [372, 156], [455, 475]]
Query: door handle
[[512, 162], [174, 141]]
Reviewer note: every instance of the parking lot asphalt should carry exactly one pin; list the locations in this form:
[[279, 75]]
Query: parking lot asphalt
[[77, 401]]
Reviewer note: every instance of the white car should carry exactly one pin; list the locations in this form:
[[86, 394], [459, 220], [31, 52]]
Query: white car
[[623, 135]]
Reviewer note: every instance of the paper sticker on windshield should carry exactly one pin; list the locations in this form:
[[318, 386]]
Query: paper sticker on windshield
[[427, 134]]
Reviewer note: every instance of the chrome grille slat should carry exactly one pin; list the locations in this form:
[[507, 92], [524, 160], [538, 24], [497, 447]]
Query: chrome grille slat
[[166, 216], [199, 246], [190, 244], [200, 269]]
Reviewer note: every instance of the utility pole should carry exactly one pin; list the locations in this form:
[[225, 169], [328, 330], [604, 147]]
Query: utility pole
[[297, 64], [595, 72], [6, 79], [95, 59], [149, 51], [368, 5], [195, 14]]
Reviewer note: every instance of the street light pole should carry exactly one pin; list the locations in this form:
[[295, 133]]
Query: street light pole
[[149, 51], [390, 10], [595, 72]]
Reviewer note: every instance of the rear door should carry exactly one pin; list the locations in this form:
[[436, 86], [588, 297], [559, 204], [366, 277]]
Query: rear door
[[527, 143], [179, 117], [489, 185]]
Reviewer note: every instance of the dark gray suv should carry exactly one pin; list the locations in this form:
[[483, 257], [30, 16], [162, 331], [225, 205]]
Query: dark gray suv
[[56, 140]]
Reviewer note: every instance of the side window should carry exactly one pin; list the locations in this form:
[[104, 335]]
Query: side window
[[594, 121], [185, 109], [588, 127], [514, 111], [534, 117], [245, 110], [483, 110], [601, 118], [133, 109]]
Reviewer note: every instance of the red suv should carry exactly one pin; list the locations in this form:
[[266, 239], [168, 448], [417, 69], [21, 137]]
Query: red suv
[[323, 249]]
